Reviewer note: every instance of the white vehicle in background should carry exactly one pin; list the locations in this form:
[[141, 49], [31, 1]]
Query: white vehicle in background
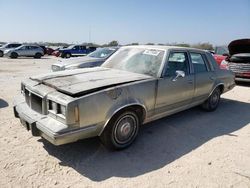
[[25, 51], [7, 47]]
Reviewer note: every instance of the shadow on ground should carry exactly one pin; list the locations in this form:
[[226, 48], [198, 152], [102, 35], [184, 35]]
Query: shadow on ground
[[159, 143], [3, 103]]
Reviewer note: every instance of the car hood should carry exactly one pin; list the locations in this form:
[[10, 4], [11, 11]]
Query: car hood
[[75, 61], [239, 46], [84, 81]]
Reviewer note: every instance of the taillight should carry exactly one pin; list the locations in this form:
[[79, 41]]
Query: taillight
[[224, 65]]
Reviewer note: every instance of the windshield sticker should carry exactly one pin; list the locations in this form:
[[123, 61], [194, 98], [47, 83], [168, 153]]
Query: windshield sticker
[[152, 52]]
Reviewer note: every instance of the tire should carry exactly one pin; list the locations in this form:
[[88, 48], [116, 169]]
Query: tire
[[38, 55], [13, 55], [213, 101], [121, 131], [1, 53], [67, 55]]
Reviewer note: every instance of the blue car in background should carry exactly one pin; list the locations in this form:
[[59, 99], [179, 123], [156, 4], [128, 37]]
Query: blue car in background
[[93, 59], [76, 50]]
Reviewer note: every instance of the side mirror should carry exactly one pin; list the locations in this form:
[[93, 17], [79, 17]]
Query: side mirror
[[179, 73]]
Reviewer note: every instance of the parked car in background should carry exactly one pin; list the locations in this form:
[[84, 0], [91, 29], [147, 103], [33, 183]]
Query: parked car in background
[[49, 51], [93, 59], [76, 50], [25, 51], [238, 60], [220, 53], [1, 44], [136, 85], [57, 52], [8, 46]]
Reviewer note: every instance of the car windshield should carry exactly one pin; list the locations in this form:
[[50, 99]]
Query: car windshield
[[102, 52], [221, 50], [137, 60]]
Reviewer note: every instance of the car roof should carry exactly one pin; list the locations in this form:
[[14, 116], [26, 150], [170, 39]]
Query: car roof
[[163, 47]]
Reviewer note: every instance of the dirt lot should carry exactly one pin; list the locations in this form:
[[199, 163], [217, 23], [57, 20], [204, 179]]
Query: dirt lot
[[189, 149]]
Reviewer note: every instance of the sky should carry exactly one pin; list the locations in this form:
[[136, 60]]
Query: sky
[[142, 21]]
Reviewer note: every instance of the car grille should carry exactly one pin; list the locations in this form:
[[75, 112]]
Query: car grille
[[239, 67], [34, 101]]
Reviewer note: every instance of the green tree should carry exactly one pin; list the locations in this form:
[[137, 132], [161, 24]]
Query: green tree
[[113, 43]]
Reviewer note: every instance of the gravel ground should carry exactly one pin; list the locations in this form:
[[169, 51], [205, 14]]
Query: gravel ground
[[190, 149]]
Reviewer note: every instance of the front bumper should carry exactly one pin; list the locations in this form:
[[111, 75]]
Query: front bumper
[[240, 79], [52, 130]]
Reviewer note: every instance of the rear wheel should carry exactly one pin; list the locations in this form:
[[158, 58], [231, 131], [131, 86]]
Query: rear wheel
[[38, 55], [213, 101], [13, 55], [1, 53], [121, 131]]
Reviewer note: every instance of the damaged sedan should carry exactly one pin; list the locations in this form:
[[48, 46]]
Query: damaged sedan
[[136, 85]]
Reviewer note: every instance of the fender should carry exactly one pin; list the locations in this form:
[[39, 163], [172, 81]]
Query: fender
[[112, 112]]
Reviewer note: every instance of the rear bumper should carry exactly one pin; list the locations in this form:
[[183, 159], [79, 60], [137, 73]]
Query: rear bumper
[[52, 130]]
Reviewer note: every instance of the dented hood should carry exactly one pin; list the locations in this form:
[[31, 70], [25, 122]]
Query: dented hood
[[83, 81], [239, 46]]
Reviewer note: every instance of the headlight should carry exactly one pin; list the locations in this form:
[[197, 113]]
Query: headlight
[[56, 108], [62, 110], [6, 51]]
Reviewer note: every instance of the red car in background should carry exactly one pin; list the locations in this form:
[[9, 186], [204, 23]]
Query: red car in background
[[220, 54], [49, 51]]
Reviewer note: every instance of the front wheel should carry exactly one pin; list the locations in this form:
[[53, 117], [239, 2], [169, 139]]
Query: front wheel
[[1, 53], [121, 131], [13, 55], [213, 101]]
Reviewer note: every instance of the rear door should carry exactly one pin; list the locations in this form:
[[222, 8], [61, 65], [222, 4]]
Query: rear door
[[175, 94], [204, 76]]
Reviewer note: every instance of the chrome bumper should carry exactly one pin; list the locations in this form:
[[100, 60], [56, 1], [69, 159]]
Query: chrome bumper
[[52, 130], [242, 79]]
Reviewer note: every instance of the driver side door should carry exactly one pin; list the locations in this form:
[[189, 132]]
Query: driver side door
[[175, 93]]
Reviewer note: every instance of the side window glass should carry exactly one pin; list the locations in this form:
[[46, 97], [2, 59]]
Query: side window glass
[[198, 63], [176, 61]]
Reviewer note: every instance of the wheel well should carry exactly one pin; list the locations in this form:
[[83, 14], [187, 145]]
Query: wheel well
[[138, 109]]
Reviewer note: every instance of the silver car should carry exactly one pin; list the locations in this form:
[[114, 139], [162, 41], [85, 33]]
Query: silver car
[[7, 47], [25, 51], [93, 59], [136, 85]]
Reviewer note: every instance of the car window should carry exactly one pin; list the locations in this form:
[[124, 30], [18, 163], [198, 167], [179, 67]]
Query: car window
[[15, 45], [83, 47], [198, 63], [76, 48], [23, 48], [176, 61]]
